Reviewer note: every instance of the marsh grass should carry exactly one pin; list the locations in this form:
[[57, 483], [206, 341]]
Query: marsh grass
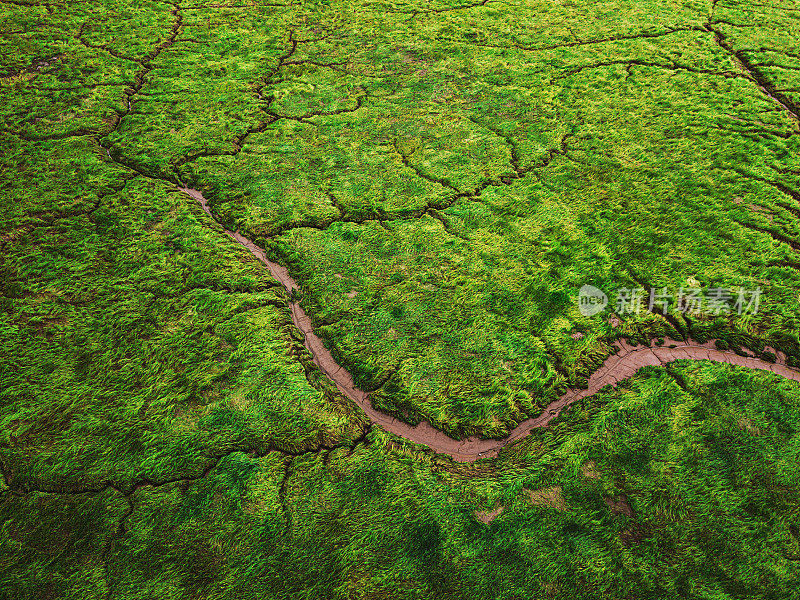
[[464, 169]]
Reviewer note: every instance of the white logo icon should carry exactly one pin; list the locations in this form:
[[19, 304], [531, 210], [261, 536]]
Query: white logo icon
[[591, 300]]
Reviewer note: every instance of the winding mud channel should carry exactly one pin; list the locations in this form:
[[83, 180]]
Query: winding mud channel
[[618, 367]]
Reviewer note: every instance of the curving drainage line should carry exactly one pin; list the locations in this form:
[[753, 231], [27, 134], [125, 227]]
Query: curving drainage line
[[617, 367]]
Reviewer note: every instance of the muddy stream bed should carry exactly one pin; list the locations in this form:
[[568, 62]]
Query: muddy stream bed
[[617, 367]]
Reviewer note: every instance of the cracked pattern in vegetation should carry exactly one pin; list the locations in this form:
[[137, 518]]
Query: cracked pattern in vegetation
[[439, 179], [324, 137]]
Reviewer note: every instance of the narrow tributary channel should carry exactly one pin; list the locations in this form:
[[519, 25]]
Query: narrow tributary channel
[[622, 365]]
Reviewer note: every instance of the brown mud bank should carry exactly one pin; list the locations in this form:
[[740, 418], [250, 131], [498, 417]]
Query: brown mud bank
[[618, 367]]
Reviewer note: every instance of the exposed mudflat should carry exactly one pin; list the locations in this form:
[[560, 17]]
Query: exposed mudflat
[[618, 367]]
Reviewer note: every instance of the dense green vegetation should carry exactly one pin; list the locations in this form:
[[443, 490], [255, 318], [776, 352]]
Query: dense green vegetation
[[464, 172], [682, 483], [441, 178]]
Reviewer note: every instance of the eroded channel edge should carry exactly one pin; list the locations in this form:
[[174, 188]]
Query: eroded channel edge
[[617, 367]]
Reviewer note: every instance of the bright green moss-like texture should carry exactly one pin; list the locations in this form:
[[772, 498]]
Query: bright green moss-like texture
[[441, 178]]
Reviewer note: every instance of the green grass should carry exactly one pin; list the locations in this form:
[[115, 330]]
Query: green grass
[[465, 169], [705, 456], [634, 150]]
